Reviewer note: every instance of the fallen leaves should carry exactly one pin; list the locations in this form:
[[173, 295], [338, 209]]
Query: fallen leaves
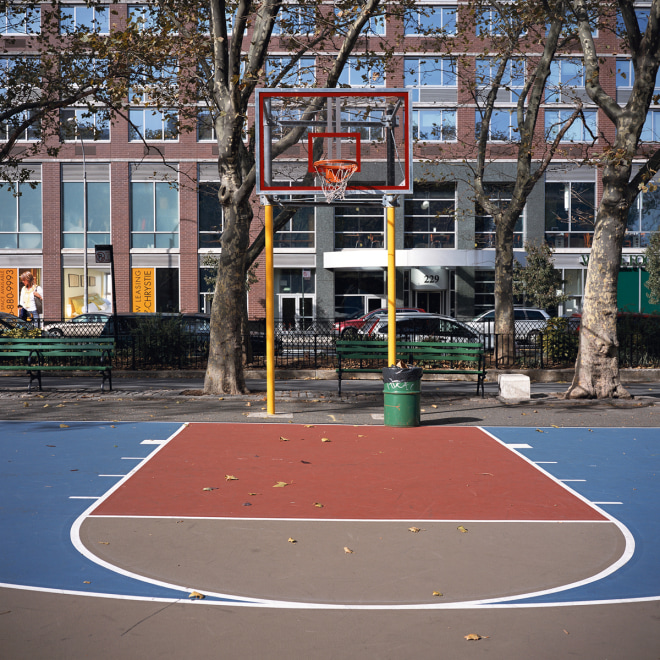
[[474, 637], [197, 595], [283, 439], [209, 488], [462, 529], [292, 540], [318, 505], [230, 477], [347, 550], [414, 530], [280, 484], [326, 440], [437, 593], [64, 426]]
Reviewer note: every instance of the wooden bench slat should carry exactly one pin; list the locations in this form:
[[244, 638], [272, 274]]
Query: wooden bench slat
[[39, 354], [419, 352]]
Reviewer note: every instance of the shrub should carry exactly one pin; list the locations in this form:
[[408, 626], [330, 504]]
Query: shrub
[[560, 343]]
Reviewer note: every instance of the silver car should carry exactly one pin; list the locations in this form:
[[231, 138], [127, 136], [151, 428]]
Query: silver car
[[418, 327], [529, 323], [90, 324]]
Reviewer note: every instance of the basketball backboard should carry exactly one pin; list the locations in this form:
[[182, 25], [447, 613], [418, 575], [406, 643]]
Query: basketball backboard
[[296, 128]]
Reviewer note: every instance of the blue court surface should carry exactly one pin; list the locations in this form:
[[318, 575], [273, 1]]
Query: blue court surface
[[52, 473]]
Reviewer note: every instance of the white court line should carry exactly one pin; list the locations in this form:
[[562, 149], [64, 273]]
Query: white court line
[[546, 462], [153, 442], [133, 458], [83, 497], [112, 475], [521, 445], [571, 480], [607, 502]]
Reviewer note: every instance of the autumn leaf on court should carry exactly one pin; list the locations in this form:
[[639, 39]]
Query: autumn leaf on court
[[292, 540], [473, 637], [318, 505], [539, 430], [347, 550], [309, 426], [208, 488], [554, 426], [437, 593], [325, 440], [462, 529], [248, 404], [280, 484], [414, 530], [433, 405], [230, 477], [360, 436], [104, 542], [283, 439], [196, 594], [64, 426]]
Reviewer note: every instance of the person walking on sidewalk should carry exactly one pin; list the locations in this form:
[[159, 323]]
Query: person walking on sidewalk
[[31, 298]]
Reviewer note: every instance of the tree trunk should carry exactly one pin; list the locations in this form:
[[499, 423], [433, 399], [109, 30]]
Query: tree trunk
[[224, 372], [597, 365], [505, 344]]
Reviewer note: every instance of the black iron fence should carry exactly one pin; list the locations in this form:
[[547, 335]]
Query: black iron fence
[[157, 344]]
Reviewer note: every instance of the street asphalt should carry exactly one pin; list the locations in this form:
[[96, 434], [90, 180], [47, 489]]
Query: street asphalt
[[181, 399]]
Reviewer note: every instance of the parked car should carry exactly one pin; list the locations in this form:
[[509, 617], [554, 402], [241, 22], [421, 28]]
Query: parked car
[[11, 322], [529, 323], [421, 326], [348, 328], [84, 325]]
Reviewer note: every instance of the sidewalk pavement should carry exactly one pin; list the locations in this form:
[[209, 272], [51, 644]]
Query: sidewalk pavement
[[140, 397]]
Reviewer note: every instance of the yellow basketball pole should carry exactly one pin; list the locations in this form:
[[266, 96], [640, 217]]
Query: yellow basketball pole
[[270, 312], [391, 287]]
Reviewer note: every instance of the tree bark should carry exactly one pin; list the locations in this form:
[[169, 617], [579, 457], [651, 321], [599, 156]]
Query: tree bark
[[597, 365], [224, 372], [505, 344]]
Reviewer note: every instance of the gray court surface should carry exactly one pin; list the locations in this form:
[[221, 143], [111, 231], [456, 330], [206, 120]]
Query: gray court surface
[[37, 624]]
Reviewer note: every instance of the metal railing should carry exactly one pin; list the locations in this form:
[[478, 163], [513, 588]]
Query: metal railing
[[312, 345]]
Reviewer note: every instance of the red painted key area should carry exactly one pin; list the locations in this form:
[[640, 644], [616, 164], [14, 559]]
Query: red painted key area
[[366, 472]]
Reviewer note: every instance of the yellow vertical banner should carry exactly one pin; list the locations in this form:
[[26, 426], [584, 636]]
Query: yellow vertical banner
[[143, 297], [9, 290]]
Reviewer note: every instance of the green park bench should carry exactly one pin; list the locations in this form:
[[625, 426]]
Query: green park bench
[[36, 355], [443, 357]]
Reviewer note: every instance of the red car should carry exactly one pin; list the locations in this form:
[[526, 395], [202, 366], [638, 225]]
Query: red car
[[349, 327]]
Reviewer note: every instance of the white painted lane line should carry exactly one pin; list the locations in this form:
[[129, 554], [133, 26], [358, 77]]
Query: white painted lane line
[[546, 462], [519, 446], [262, 415], [117, 476], [83, 497], [607, 502], [571, 480], [153, 442], [133, 458], [377, 415]]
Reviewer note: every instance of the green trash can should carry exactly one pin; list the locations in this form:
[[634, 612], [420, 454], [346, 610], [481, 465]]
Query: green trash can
[[401, 390]]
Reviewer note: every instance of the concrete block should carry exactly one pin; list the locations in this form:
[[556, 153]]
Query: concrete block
[[514, 387]]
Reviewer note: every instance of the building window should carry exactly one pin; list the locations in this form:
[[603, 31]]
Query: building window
[[20, 20], [643, 218], [31, 134], [298, 232], [503, 125], [81, 17], [363, 72], [427, 72], [205, 127], [497, 21], [358, 292], [155, 290], [295, 19], [484, 224], [145, 16], [484, 291], [511, 84], [430, 220], [434, 125], [642, 20], [302, 73], [98, 205], [651, 129], [21, 219], [210, 215], [99, 292], [569, 214], [565, 79], [429, 20], [581, 130], [151, 124], [154, 208], [85, 123], [359, 227]]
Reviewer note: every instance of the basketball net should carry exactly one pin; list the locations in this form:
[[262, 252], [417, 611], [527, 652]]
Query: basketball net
[[335, 175]]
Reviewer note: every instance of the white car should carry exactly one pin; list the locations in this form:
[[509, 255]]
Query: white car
[[90, 324], [420, 326], [529, 323]]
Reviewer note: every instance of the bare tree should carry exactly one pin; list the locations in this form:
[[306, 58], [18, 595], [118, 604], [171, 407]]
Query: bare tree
[[597, 366]]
